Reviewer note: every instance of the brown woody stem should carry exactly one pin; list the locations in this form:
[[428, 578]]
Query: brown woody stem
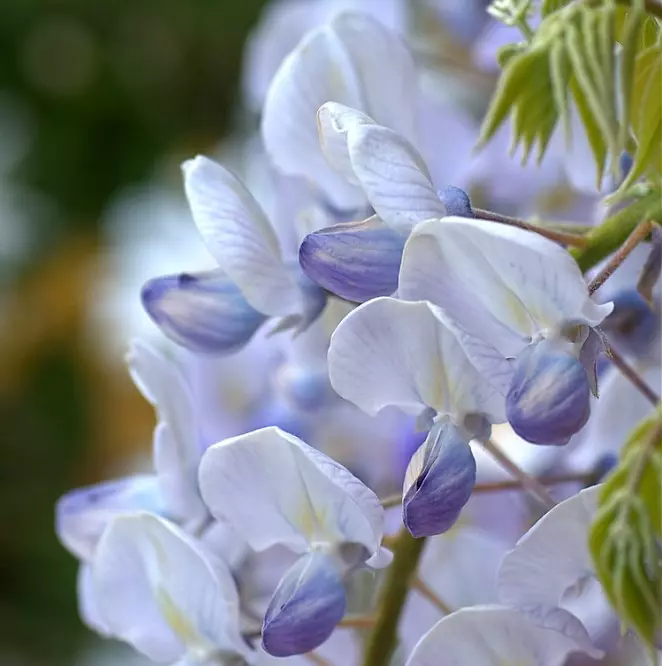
[[640, 232], [527, 481], [554, 235]]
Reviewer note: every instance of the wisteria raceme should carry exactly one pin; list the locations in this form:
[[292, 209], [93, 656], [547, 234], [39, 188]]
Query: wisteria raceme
[[404, 315]]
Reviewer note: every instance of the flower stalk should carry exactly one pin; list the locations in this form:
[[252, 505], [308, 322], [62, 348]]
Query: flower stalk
[[383, 638]]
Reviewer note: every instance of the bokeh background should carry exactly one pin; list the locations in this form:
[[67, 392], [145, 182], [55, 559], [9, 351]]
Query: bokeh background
[[99, 102]]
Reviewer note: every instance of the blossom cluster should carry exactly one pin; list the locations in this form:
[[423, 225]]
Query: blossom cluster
[[404, 322]]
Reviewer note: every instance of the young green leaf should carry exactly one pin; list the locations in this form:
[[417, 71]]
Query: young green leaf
[[646, 121], [625, 535]]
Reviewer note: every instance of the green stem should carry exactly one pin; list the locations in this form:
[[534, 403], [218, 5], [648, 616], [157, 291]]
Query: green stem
[[383, 638], [612, 233]]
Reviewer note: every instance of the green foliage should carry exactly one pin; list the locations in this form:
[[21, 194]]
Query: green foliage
[[644, 203], [548, 7], [646, 104], [625, 535], [510, 12], [571, 60]]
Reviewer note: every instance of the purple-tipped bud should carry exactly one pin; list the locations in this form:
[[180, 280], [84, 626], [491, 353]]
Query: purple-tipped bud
[[356, 261], [204, 312], [305, 608], [82, 515], [549, 396], [632, 324], [438, 483], [456, 201]]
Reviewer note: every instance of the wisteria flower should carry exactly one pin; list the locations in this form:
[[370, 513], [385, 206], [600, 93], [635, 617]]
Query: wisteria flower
[[520, 294], [343, 61], [526, 297], [551, 568], [395, 353], [158, 590], [275, 489], [83, 515], [219, 311], [486, 635]]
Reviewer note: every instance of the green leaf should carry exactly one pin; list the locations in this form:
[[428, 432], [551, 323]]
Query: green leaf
[[595, 138], [646, 121], [548, 7], [505, 53], [625, 533], [571, 53], [516, 79], [630, 42]]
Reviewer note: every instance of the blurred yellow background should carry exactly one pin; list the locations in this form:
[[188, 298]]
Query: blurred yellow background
[[99, 100]]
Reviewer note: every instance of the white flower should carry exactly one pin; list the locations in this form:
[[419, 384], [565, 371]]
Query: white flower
[[490, 635], [275, 489], [219, 311], [396, 353], [159, 591], [346, 61], [391, 352]]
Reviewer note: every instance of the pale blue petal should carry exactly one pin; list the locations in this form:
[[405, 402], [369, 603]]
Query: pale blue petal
[[482, 635], [439, 482], [159, 590], [356, 260], [305, 608], [273, 488], [204, 312], [82, 515], [550, 397]]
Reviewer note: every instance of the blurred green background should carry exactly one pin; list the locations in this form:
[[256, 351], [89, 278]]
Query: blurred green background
[[94, 94]]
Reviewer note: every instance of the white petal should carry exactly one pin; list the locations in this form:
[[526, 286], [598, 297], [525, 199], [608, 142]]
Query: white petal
[[495, 280], [82, 515], [176, 438], [393, 175], [333, 123], [274, 488], [460, 566], [379, 55], [317, 71], [345, 61], [390, 352], [239, 236], [552, 557], [492, 636], [87, 603], [156, 591]]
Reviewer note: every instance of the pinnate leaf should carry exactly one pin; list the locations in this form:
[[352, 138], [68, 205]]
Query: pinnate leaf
[[626, 533]]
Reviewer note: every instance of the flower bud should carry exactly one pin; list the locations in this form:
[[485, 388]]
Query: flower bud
[[438, 482], [305, 608], [549, 397], [357, 261], [204, 312], [457, 202], [632, 324]]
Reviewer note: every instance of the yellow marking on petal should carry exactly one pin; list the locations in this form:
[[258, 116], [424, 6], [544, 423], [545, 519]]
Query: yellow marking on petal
[[312, 522], [520, 315], [178, 622]]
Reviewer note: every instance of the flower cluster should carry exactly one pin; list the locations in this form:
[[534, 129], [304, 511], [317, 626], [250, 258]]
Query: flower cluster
[[247, 544]]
